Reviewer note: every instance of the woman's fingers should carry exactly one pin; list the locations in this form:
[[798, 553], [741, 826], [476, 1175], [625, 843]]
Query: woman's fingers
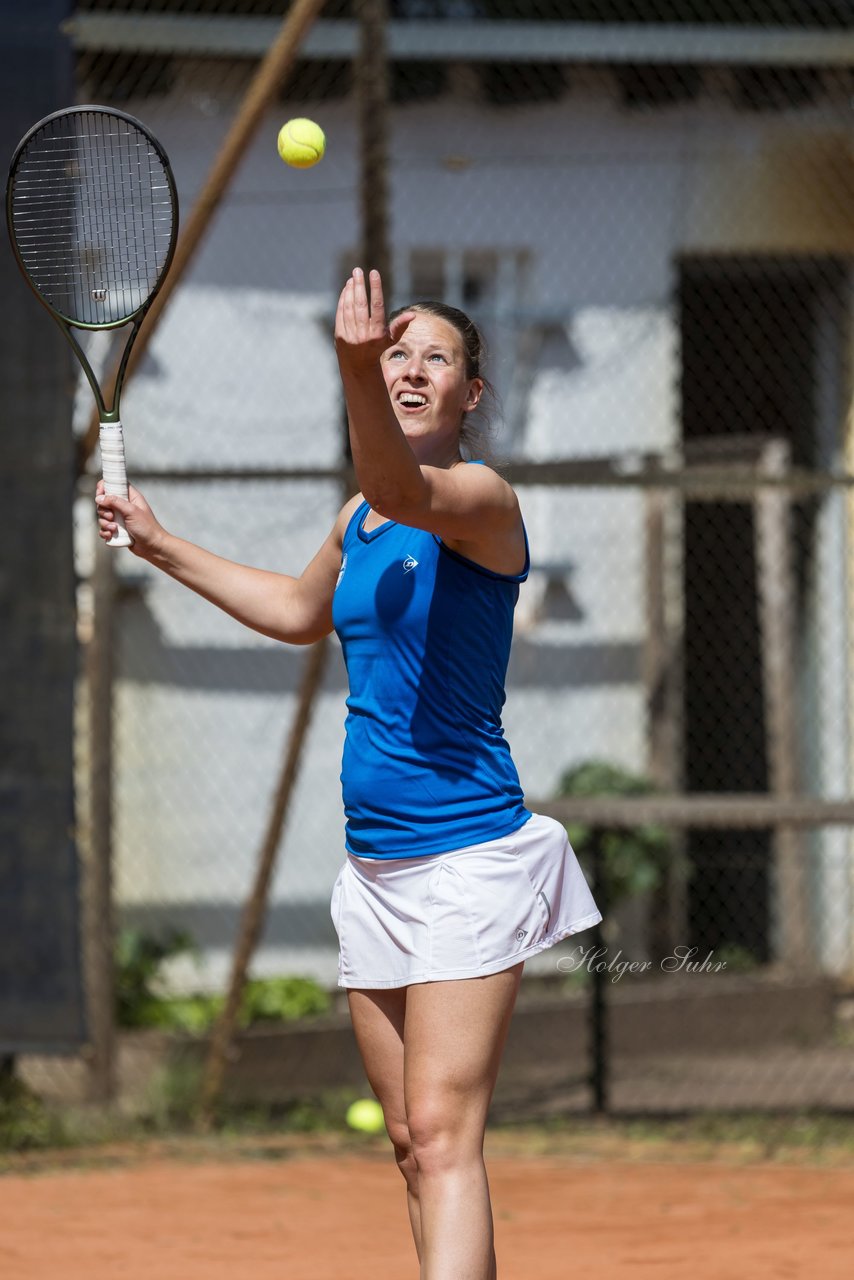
[[360, 316], [399, 323], [346, 327], [107, 525], [350, 310], [339, 314], [377, 302], [360, 297], [369, 308]]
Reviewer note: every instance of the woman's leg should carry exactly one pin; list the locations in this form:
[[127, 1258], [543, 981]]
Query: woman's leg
[[453, 1038], [378, 1018]]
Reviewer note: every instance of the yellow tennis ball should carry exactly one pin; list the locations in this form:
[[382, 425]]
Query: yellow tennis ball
[[301, 143], [366, 1115]]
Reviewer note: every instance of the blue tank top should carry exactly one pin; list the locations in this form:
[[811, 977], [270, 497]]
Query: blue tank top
[[426, 638]]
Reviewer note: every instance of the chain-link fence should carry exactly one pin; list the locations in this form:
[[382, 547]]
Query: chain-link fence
[[647, 207]]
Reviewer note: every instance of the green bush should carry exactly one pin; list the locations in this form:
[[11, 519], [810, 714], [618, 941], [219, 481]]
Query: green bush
[[141, 1000], [195, 1013], [738, 959], [139, 959], [633, 860], [26, 1124], [283, 1000]]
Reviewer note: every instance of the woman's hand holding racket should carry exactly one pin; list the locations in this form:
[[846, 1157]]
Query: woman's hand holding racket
[[135, 515]]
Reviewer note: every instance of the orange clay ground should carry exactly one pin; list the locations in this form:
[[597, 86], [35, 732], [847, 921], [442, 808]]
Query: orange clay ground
[[333, 1209]]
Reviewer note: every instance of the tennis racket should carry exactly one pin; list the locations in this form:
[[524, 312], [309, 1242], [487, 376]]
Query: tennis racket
[[92, 212]]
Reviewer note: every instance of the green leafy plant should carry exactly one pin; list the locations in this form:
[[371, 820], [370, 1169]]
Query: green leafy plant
[[195, 1014], [140, 956], [173, 1097], [738, 959], [26, 1123], [142, 1001], [283, 1000], [633, 860]]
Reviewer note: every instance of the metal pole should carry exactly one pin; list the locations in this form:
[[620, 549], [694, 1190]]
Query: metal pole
[[372, 93]]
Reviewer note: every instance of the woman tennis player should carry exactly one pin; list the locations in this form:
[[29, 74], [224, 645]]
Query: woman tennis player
[[449, 882]]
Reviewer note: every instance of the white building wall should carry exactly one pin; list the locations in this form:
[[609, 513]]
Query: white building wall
[[242, 373]]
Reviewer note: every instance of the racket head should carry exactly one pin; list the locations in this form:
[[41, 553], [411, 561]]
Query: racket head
[[92, 212]]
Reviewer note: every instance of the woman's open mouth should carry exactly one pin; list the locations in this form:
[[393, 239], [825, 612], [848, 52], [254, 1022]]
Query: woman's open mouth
[[412, 401]]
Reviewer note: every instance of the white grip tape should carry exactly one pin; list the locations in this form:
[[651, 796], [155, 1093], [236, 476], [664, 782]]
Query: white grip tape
[[115, 474]]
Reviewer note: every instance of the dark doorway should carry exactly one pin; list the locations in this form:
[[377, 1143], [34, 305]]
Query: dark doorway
[[754, 332]]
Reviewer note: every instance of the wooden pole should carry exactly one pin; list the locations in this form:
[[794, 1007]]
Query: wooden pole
[[256, 906], [261, 92], [776, 591], [659, 656], [662, 679], [253, 915], [99, 933], [716, 810]]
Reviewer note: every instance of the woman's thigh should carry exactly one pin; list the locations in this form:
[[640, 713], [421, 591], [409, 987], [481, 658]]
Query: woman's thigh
[[453, 1040], [433, 1049], [378, 1024]]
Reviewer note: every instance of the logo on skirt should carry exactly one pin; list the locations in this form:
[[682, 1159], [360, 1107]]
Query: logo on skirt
[[521, 935]]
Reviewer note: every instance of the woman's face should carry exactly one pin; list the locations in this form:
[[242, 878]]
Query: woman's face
[[425, 373]]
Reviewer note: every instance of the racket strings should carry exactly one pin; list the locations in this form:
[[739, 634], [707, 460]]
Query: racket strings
[[93, 216]]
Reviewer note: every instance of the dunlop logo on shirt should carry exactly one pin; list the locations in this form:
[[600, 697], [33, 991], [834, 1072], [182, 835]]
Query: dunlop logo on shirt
[[341, 570]]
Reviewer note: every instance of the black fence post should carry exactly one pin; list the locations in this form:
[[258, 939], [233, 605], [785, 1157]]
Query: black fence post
[[598, 1007]]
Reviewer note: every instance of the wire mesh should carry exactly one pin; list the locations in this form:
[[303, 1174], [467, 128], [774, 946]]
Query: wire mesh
[[647, 208]]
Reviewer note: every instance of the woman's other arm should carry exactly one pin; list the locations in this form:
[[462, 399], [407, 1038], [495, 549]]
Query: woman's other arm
[[296, 610]]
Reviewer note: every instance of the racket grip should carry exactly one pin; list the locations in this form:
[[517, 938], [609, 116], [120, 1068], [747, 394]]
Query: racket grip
[[115, 475]]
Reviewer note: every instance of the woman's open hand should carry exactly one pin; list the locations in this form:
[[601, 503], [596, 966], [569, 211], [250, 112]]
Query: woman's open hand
[[362, 332]]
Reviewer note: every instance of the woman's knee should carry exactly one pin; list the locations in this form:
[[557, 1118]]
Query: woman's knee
[[401, 1141], [443, 1137]]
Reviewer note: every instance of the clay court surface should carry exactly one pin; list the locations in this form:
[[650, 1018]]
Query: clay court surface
[[325, 1211]]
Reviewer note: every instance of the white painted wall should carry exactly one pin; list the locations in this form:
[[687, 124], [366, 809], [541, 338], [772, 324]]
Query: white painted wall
[[242, 373]]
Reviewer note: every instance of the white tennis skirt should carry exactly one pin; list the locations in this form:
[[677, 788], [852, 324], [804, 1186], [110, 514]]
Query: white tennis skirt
[[462, 914]]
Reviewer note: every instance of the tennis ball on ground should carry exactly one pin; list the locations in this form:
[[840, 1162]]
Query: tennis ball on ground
[[366, 1115], [301, 143]]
